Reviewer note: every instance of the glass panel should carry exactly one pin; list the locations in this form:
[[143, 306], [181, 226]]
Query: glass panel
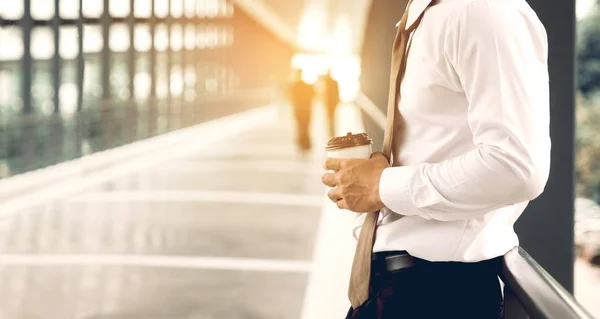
[[176, 82], [161, 38], [11, 10], [10, 88], [587, 156], [228, 35], [42, 43], [190, 8], [161, 8], [162, 85], [11, 46], [92, 39], [176, 37], [190, 37], [69, 9], [210, 79], [176, 8], [93, 8], [11, 51], [92, 88], [211, 36], [584, 8], [190, 82], [142, 82], [227, 9], [221, 36], [142, 40], [143, 8], [41, 9], [119, 37], [42, 50], [7, 90], [119, 77], [119, 8], [222, 8], [211, 8], [201, 36], [41, 88], [200, 8], [68, 98], [68, 89], [68, 42]]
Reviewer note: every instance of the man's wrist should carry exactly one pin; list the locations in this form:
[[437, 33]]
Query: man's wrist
[[377, 193]]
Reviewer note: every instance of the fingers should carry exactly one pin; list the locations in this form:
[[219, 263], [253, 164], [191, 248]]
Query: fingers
[[330, 180], [341, 204], [333, 164], [335, 194]]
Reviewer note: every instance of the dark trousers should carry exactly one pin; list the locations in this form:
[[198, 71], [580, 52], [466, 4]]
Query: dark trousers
[[434, 291]]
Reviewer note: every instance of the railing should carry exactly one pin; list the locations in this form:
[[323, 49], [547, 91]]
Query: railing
[[540, 295], [31, 142], [529, 291]]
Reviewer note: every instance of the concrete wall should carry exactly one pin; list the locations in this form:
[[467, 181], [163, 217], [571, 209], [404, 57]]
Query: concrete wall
[[376, 54]]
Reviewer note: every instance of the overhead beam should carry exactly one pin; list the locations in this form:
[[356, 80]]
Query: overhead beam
[[268, 18]]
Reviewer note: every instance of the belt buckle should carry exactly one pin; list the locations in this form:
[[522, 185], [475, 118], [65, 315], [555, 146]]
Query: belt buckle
[[399, 262]]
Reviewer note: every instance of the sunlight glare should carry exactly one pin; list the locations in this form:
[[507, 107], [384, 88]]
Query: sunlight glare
[[312, 27], [340, 39], [327, 49]]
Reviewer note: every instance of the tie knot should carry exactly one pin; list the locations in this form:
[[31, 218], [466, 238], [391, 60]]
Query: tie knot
[[413, 13]]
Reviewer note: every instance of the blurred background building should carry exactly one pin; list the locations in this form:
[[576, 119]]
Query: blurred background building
[[148, 166]]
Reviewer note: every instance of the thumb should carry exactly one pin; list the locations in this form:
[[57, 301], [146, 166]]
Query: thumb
[[378, 155]]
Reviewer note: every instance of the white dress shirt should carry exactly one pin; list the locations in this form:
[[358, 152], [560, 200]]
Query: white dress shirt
[[476, 148]]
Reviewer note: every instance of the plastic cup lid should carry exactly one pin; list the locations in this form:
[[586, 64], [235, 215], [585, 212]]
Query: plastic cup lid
[[349, 140]]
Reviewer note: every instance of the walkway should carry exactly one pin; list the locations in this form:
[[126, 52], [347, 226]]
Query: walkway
[[219, 220], [221, 225]]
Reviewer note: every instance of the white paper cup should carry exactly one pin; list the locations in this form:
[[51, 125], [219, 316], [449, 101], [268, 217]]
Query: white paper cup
[[363, 151], [350, 146]]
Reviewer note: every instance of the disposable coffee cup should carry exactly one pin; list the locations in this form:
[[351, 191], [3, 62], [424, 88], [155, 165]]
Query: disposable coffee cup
[[350, 146]]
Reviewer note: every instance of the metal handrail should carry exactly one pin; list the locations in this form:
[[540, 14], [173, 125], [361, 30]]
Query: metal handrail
[[540, 294]]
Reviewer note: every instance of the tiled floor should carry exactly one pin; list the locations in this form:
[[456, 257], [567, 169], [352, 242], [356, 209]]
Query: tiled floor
[[147, 293], [227, 233], [168, 228], [221, 234]]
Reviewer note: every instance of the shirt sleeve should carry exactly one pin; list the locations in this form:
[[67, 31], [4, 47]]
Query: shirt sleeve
[[498, 50]]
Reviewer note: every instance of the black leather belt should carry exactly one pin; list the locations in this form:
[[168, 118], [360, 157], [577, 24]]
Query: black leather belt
[[400, 262], [395, 261]]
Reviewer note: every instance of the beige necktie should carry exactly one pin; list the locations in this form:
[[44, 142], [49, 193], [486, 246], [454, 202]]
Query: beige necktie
[[358, 291]]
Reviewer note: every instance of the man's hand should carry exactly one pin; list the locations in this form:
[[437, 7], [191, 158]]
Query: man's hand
[[356, 182]]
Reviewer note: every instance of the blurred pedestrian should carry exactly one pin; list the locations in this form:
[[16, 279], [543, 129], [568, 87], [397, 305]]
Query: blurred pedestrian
[[301, 96], [331, 96]]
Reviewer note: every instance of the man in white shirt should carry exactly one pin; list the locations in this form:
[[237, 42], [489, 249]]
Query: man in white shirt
[[471, 150]]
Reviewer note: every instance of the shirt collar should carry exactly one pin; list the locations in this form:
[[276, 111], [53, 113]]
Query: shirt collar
[[414, 11]]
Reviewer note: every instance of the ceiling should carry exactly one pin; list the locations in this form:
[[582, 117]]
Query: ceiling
[[311, 25]]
